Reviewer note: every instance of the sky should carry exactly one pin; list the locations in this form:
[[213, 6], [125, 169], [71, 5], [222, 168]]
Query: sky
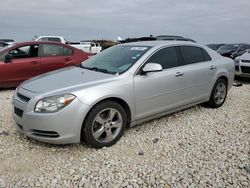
[[206, 21]]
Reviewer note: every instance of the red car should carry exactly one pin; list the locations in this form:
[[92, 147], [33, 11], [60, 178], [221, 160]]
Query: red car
[[21, 61]]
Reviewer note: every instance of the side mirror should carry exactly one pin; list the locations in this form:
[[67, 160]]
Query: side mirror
[[8, 58], [151, 67]]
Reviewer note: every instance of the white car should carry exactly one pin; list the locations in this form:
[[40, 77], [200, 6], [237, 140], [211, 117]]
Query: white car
[[242, 65], [86, 46]]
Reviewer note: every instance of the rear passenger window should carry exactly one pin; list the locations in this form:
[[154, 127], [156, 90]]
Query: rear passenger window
[[52, 50], [166, 57], [191, 54], [68, 52]]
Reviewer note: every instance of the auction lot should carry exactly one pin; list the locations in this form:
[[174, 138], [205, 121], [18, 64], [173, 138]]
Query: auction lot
[[197, 147]]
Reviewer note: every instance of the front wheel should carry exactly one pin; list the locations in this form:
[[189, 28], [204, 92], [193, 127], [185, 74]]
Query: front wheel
[[104, 124], [219, 94]]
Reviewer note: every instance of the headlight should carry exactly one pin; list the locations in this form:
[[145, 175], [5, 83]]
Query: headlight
[[54, 103]]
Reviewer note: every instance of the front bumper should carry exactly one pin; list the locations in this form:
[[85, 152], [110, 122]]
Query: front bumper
[[242, 69], [62, 127]]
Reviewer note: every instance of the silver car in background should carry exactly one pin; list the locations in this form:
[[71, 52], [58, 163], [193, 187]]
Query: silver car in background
[[242, 65], [120, 87]]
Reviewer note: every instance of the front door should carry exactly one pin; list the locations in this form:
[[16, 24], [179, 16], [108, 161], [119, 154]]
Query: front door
[[159, 91], [24, 65]]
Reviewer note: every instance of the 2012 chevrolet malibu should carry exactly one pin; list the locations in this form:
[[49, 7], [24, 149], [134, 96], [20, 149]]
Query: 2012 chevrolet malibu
[[120, 87]]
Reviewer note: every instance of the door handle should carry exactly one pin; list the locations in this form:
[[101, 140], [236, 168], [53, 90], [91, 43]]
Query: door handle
[[212, 67], [34, 62], [178, 74]]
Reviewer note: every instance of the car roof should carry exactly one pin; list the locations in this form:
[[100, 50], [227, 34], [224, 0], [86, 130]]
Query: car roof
[[159, 43], [40, 42], [49, 36], [18, 44]]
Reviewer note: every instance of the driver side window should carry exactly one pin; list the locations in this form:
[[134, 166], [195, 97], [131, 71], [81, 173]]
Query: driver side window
[[25, 52], [166, 57]]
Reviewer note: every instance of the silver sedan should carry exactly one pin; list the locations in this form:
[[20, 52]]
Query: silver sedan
[[120, 87]]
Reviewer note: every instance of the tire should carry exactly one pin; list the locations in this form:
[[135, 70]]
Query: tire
[[104, 124], [214, 101]]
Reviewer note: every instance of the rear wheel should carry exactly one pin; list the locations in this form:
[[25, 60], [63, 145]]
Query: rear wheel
[[105, 124], [219, 94]]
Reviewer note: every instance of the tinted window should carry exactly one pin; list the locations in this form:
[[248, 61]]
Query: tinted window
[[52, 50], [166, 57], [25, 52], [191, 54], [68, 51], [206, 56]]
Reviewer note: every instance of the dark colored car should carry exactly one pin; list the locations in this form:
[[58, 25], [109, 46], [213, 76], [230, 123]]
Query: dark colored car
[[173, 37], [214, 46], [21, 61], [233, 50], [3, 44], [7, 41], [160, 37]]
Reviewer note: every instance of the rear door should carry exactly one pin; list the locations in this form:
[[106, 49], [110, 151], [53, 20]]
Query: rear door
[[197, 72], [159, 91], [55, 57], [25, 64]]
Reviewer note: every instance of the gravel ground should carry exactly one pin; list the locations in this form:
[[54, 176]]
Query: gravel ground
[[197, 147]]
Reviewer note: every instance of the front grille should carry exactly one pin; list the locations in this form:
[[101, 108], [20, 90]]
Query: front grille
[[245, 69], [245, 61], [23, 98], [236, 67], [18, 112], [48, 134]]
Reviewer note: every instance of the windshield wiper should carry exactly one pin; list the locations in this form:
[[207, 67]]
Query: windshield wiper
[[98, 69]]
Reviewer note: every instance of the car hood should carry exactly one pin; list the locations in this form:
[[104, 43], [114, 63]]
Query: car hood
[[65, 79], [245, 56]]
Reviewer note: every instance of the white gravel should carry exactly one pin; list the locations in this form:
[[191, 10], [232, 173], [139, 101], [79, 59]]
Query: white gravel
[[197, 147]]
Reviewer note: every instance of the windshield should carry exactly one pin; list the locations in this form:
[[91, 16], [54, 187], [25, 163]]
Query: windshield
[[115, 60], [229, 47]]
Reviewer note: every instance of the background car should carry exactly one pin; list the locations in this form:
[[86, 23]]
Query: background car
[[242, 65], [215, 46], [122, 86], [233, 50], [21, 61], [7, 41], [3, 44], [160, 37], [86, 46]]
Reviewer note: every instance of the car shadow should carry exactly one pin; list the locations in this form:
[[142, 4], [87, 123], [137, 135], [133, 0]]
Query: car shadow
[[242, 80], [7, 89]]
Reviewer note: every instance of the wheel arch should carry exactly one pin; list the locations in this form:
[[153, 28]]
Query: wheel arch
[[120, 101], [223, 77]]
